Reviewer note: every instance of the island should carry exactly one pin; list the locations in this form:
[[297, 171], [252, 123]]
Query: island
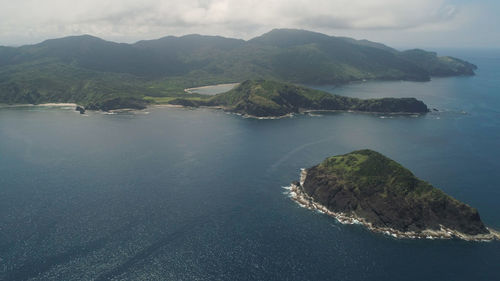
[[368, 188], [102, 75], [271, 99]]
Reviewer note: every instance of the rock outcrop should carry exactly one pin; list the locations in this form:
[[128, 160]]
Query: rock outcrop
[[367, 187]]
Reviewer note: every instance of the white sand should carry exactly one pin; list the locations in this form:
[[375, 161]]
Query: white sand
[[56, 104]]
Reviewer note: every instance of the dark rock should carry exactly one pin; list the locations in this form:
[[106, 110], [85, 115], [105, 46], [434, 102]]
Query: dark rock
[[81, 109]]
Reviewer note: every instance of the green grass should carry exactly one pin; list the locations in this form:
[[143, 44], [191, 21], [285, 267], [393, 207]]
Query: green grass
[[159, 100], [344, 163], [166, 100]]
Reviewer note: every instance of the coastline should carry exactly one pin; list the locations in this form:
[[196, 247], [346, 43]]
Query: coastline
[[56, 104], [300, 197], [289, 115], [362, 112], [292, 114], [244, 115], [51, 104], [225, 109]]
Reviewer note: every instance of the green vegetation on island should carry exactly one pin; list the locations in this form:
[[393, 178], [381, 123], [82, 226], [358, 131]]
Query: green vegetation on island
[[91, 71], [387, 197], [263, 98]]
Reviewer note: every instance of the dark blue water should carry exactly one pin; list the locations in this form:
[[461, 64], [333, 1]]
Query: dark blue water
[[182, 194]]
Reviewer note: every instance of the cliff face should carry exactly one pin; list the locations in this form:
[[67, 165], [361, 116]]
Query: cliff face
[[373, 187]]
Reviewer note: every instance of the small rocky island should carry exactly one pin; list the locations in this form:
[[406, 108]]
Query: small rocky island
[[368, 188], [271, 99]]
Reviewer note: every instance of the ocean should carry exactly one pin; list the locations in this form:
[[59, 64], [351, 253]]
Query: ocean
[[197, 194]]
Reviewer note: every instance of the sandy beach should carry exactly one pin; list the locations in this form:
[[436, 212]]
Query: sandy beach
[[56, 104]]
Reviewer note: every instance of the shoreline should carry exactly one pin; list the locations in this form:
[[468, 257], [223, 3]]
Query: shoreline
[[56, 104], [50, 104], [292, 114], [289, 115], [302, 199], [362, 112], [244, 115]]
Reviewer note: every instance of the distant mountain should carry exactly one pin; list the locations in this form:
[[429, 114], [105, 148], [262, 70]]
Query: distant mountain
[[274, 99], [85, 68]]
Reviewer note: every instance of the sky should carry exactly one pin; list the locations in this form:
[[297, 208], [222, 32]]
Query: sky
[[397, 23]]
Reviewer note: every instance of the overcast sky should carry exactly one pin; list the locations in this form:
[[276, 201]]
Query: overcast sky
[[398, 23]]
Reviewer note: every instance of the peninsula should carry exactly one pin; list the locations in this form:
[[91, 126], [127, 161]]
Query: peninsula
[[368, 188], [269, 99]]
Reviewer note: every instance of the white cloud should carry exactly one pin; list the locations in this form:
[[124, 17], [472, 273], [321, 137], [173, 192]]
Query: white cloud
[[125, 20]]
